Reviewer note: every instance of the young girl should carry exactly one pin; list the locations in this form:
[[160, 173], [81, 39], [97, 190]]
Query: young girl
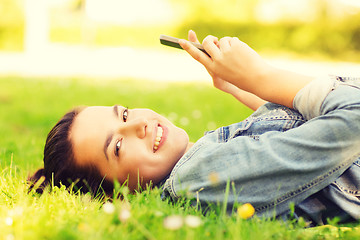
[[301, 147]]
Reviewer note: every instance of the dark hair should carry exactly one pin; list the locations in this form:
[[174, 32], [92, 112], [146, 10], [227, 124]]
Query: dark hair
[[60, 167]]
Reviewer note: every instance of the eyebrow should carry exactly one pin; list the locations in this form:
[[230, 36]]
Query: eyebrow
[[111, 134], [107, 143], [115, 110]]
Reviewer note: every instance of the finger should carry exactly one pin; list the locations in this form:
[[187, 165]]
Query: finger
[[236, 41], [198, 55], [225, 43], [211, 45], [192, 36]]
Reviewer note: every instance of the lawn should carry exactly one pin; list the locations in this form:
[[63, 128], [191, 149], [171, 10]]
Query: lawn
[[30, 107]]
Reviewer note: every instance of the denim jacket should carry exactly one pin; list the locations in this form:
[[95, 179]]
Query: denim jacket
[[308, 156]]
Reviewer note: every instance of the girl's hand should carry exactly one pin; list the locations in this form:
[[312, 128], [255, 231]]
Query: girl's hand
[[217, 81], [246, 98], [234, 62], [231, 60]]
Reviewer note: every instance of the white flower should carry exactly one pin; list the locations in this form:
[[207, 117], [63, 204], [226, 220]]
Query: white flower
[[17, 211], [124, 215], [158, 213], [109, 208], [173, 222], [9, 221], [10, 237], [193, 221]]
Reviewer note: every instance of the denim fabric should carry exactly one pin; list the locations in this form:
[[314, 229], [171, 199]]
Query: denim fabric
[[277, 157]]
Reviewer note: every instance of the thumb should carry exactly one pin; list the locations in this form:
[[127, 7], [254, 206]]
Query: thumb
[[197, 54]]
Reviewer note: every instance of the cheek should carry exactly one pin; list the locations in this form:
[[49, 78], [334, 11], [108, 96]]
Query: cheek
[[151, 166], [136, 161]]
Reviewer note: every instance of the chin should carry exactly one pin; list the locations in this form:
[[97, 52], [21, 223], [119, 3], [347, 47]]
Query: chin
[[183, 145]]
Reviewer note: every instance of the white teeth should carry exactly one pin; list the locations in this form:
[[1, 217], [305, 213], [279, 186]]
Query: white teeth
[[158, 137], [159, 132]]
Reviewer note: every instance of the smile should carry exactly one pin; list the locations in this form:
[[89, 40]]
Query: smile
[[159, 134]]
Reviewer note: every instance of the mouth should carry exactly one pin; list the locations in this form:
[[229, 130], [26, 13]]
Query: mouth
[[160, 137]]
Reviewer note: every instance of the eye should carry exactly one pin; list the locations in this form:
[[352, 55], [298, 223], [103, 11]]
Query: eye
[[125, 114], [117, 147]]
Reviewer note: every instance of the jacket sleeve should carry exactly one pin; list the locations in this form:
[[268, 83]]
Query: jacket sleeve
[[277, 168]]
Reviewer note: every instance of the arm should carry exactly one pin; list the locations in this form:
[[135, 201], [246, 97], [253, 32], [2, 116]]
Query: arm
[[250, 100], [236, 63], [277, 167]]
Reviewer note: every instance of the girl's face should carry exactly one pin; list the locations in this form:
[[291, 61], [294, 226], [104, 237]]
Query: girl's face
[[138, 144]]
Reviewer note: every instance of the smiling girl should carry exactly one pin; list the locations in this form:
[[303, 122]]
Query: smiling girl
[[122, 144], [300, 146]]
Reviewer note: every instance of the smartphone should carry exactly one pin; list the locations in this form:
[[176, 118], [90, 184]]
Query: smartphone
[[174, 42]]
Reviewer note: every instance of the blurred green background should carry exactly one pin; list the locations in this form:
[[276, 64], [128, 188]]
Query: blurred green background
[[48, 46], [316, 28]]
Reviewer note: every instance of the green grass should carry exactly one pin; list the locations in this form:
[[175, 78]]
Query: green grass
[[30, 107]]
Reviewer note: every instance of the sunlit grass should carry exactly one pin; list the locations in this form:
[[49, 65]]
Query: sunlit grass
[[29, 108]]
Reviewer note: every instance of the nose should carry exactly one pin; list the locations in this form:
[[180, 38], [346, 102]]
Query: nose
[[135, 126]]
